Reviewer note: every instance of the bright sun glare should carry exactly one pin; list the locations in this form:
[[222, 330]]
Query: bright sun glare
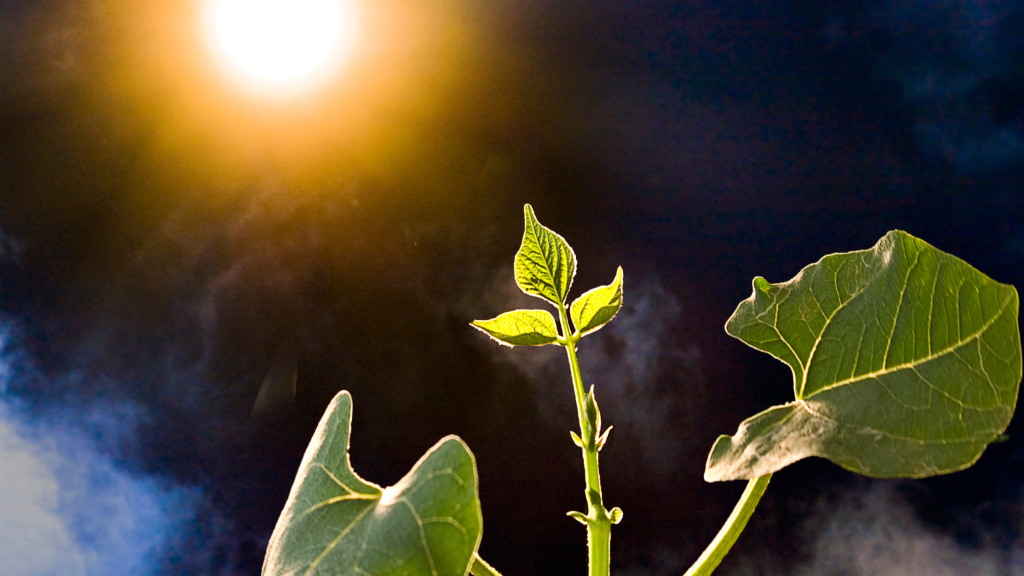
[[281, 42]]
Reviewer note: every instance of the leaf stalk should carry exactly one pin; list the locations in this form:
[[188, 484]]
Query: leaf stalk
[[480, 568], [732, 528]]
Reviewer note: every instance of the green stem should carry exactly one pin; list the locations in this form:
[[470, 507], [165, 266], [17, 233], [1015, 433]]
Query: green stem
[[599, 524], [727, 536], [599, 542], [481, 568], [574, 367]]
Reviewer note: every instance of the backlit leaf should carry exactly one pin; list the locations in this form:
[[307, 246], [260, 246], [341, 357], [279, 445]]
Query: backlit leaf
[[335, 523], [545, 264], [520, 328], [597, 307], [906, 363]]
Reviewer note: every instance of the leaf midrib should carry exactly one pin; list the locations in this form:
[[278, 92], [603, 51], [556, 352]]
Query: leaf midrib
[[805, 368], [777, 303], [539, 241], [918, 362], [334, 543]]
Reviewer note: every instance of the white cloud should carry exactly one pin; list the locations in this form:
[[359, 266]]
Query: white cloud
[[67, 509], [33, 537]]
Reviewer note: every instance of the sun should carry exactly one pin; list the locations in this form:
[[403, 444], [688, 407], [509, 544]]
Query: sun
[[282, 43]]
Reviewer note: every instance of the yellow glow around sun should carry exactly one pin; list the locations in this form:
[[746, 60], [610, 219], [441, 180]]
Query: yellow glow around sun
[[283, 43]]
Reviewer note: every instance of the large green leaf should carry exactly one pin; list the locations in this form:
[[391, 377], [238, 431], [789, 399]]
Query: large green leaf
[[335, 523], [906, 363], [520, 328], [598, 306], [545, 264]]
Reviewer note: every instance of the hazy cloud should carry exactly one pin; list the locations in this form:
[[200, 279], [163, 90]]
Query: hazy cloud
[[644, 379], [955, 61], [68, 508], [873, 530]]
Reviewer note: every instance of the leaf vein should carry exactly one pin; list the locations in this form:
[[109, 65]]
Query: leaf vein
[[913, 363], [982, 434], [423, 534], [340, 483], [899, 306], [334, 543]]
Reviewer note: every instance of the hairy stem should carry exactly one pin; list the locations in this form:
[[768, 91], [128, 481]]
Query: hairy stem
[[597, 519], [574, 367], [727, 536]]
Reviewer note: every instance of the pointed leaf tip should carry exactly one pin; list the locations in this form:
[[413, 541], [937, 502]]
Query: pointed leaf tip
[[545, 264], [593, 413], [576, 439], [334, 519], [579, 517], [597, 307], [604, 438], [906, 362]]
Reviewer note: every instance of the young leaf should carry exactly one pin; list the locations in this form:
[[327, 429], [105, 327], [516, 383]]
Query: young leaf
[[593, 415], [579, 517], [545, 264], [576, 439], [597, 307], [604, 438], [520, 328], [906, 363], [615, 515], [334, 522]]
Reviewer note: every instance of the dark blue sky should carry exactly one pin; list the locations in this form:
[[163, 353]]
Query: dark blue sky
[[164, 236]]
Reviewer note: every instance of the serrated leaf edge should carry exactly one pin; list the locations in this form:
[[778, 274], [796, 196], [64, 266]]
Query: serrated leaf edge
[[533, 225], [575, 314], [478, 324]]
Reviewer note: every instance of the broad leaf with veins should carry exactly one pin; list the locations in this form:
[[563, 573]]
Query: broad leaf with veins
[[906, 363], [597, 306], [335, 523], [545, 264], [520, 328]]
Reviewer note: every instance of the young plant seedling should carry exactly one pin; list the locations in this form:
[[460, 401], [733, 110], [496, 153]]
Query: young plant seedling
[[906, 362], [545, 266]]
